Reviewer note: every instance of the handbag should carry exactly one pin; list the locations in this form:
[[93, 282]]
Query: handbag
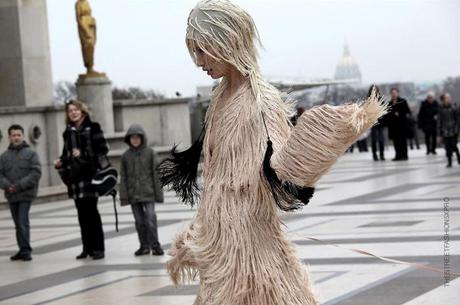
[[104, 182]]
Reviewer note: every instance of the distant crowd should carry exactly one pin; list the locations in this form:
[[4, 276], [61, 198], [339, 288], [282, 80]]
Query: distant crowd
[[439, 121]]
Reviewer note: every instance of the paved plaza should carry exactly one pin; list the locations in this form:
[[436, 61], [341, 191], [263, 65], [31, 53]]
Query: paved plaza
[[393, 209]]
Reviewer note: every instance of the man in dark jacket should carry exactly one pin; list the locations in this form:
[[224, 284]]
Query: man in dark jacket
[[140, 187], [449, 127], [398, 124], [427, 121], [20, 172]]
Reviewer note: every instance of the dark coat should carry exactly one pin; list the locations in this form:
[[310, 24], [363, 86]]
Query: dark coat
[[20, 166], [449, 121], [397, 118], [139, 178], [427, 116], [90, 140]]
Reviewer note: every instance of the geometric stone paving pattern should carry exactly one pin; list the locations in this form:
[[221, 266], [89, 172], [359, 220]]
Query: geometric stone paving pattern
[[392, 209]]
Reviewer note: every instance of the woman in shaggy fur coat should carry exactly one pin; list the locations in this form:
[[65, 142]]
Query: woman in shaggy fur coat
[[255, 162]]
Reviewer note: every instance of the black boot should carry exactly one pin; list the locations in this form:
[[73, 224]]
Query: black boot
[[82, 255], [21, 256], [157, 251], [142, 251], [375, 158], [98, 255], [449, 161]]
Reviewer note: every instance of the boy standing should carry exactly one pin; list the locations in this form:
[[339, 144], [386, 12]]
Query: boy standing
[[20, 172], [140, 187]]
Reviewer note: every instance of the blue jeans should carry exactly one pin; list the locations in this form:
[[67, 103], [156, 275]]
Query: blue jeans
[[146, 224], [20, 212]]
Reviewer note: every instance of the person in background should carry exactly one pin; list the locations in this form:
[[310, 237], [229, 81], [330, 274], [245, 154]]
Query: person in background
[[448, 127], [427, 121], [398, 124], [412, 133], [295, 117], [20, 173], [362, 142], [85, 151], [140, 187], [377, 132]]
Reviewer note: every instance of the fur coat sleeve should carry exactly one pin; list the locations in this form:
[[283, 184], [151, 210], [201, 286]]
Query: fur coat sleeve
[[321, 135]]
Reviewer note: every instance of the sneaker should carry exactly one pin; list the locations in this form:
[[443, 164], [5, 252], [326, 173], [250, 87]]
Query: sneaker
[[157, 251], [98, 255], [142, 251]]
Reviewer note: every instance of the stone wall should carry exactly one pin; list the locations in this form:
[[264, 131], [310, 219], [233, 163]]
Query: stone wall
[[43, 127], [165, 122]]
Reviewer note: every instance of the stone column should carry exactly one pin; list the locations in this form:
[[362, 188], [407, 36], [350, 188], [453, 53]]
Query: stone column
[[96, 92], [25, 65]]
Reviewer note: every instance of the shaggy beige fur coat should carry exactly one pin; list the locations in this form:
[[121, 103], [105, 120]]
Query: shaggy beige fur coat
[[235, 244]]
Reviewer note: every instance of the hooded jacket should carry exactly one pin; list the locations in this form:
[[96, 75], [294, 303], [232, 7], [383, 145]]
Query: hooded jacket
[[139, 177], [20, 166]]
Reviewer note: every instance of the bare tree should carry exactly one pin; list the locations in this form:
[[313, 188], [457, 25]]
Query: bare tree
[[452, 86], [63, 91], [135, 93]]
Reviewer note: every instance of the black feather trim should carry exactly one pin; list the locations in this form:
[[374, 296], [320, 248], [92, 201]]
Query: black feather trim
[[180, 171], [288, 196]]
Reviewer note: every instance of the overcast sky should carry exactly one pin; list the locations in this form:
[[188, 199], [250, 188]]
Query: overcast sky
[[141, 42]]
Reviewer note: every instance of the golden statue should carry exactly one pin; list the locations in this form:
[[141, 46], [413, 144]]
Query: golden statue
[[87, 33]]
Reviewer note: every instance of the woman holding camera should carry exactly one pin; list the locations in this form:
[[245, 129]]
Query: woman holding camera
[[84, 152]]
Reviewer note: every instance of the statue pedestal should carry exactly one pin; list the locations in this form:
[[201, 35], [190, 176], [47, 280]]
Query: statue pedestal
[[96, 92]]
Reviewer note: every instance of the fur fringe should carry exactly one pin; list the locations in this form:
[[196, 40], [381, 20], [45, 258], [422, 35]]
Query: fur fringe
[[288, 196], [321, 136], [179, 172]]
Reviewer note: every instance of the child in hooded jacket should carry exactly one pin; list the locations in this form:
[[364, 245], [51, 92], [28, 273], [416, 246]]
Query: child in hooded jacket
[[140, 188]]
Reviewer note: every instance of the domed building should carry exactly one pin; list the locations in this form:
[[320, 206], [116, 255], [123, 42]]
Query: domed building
[[347, 68]]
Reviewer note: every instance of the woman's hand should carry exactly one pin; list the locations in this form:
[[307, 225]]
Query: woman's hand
[[76, 153], [57, 163]]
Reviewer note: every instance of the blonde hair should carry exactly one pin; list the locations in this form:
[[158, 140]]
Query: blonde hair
[[80, 105], [227, 33]]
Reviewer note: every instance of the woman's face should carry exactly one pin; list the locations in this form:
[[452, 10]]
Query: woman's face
[[74, 113], [447, 99], [214, 68]]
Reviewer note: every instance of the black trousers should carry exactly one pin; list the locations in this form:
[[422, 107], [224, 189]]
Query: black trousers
[[451, 147], [430, 140], [92, 234], [400, 144], [377, 137]]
